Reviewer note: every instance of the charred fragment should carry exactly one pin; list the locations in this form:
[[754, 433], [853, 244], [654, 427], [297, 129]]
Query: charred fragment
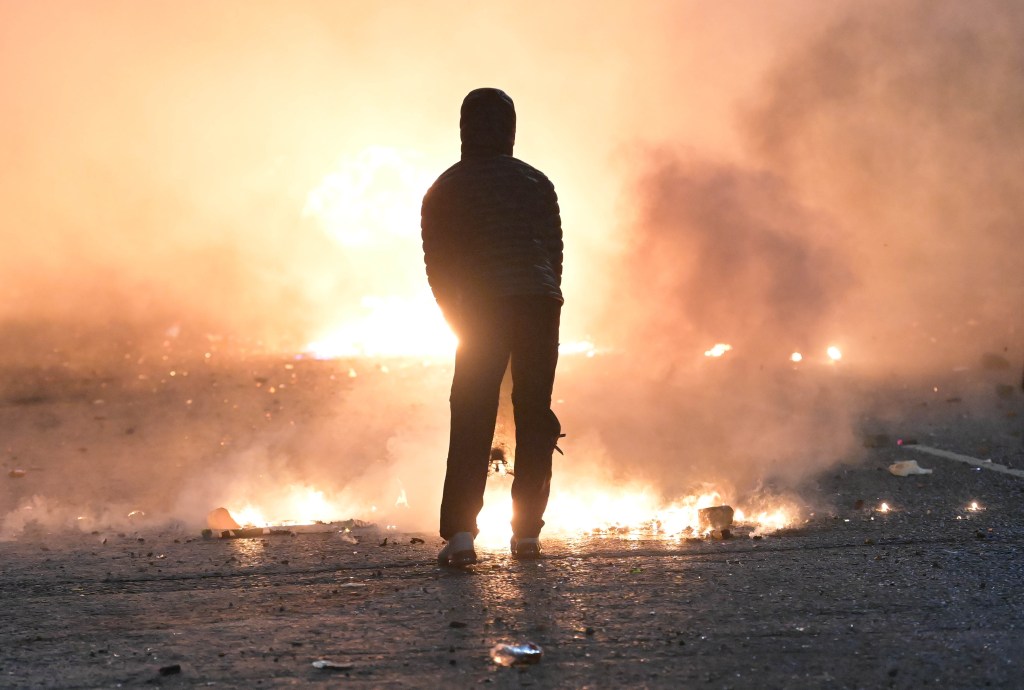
[[715, 518]]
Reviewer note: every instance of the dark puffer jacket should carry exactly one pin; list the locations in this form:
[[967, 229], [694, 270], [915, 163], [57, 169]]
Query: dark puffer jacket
[[491, 224]]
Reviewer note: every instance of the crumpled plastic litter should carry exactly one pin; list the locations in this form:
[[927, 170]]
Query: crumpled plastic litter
[[327, 665], [505, 654], [905, 468]]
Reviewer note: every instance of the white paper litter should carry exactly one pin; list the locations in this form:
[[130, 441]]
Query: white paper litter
[[905, 468]]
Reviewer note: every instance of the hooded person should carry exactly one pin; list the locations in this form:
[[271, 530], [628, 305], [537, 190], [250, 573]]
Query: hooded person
[[492, 245]]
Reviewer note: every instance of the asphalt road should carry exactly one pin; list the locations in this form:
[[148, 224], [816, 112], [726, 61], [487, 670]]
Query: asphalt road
[[928, 594]]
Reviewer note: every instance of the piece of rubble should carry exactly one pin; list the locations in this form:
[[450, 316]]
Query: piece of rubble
[[246, 533], [220, 519], [327, 665], [505, 654], [905, 468], [714, 518], [16, 473]]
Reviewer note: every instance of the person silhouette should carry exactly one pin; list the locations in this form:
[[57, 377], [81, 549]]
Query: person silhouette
[[492, 246]]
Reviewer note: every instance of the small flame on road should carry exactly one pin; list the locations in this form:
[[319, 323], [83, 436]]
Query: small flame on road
[[974, 507], [717, 350], [884, 508], [298, 504], [834, 353], [796, 357], [627, 513]]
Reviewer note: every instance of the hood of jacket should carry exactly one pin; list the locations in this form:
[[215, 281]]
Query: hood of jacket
[[487, 123]]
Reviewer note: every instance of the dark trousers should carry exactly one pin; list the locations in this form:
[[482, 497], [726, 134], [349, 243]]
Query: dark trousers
[[525, 330]]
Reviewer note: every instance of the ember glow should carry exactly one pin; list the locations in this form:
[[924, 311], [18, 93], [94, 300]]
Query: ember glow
[[296, 505], [389, 327], [717, 350], [630, 513], [834, 353]]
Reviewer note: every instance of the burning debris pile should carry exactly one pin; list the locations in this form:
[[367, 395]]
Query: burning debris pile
[[221, 525]]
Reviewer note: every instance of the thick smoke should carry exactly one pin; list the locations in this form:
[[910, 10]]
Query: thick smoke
[[721, 254], [725, 254], [779, 178], [904, 125]]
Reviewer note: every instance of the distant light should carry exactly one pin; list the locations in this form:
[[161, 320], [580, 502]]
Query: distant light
[[834, 353], [884, 508], [796, 357], [974, 507], [718, 350]]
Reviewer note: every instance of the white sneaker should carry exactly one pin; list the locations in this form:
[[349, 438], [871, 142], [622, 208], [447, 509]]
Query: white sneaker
[[458, 551]]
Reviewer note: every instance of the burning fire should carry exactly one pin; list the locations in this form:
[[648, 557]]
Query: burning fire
[[371, 199], [717, 350], [631, 513], [297, 505], [390, 327]]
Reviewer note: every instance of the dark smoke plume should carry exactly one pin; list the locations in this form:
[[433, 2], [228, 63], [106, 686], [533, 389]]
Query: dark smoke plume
[[905, 124]]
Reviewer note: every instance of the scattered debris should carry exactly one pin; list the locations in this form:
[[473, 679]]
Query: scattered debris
[[221, 525], [326, 665], [456, 624], [505, 654], [905, 468], [417, 540], [170, 670], [16, 473], [499, 464], [220, 519], [246, 533], [715, 518]]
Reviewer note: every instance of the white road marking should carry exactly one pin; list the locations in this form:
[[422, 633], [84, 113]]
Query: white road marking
[[984, 464]]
